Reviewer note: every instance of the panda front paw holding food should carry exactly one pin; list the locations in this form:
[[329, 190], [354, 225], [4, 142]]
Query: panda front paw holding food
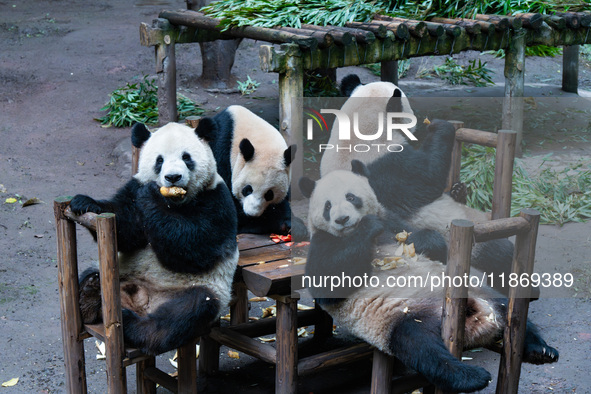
[[176, 237]]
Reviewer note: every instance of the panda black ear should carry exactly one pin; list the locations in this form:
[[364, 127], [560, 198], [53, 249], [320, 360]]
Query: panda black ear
[[246, 149], [359, 168], [348, 84], [395, 103], [139, 135], [306, 186], [289, 154], [206, 129]]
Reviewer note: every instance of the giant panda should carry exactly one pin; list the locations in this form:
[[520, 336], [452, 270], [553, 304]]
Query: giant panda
[[177, 254], [254, 161], [370, 102], [346, 221], [411, 183]]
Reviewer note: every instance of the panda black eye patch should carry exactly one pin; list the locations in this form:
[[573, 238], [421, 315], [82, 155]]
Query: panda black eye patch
[[269, 195], [158, 165], [188, 161], [247, 190], [353, 199], [326, 213]]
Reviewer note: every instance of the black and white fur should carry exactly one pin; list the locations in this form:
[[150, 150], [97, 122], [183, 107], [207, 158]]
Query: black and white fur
[[177, 256], [254, 161], [411, 183], [348, 224]]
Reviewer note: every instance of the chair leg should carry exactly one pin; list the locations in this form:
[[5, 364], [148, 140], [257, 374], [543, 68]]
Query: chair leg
[[209, 355], [286, 372], [187, 367], [144, 385], [323, 326], [381, 373], [239, 309]]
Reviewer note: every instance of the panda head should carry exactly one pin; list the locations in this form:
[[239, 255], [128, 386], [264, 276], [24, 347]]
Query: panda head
[[339, 200], [176, 155], [392, 97], [260, 176]]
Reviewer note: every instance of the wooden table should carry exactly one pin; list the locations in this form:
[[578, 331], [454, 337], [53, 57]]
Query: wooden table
[[267, 270]]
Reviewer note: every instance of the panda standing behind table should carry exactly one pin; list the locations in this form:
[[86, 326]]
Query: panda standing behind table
[[254, 161], [411, 183], [177, 251]]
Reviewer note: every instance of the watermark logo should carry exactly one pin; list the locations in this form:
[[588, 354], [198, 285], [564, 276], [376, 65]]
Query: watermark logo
[[348, 128]]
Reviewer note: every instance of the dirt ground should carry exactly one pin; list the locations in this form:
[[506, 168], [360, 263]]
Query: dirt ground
[[59, 60]]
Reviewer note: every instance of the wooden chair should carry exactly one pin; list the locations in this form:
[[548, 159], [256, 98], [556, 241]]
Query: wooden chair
[[462, 235], [118, 357]]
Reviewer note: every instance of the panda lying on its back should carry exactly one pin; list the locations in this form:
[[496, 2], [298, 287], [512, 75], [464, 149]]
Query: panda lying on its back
[[346, 220], [177, 255], [254, 160]]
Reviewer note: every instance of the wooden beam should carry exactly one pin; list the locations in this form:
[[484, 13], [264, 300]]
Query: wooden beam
[[382, 371], [514, 86], [456, 157], [503, 180], [111, 302], [71, 320], [286, 371], [570, 69], [333, 358], [499, 228], [247, 345], [517, 309]]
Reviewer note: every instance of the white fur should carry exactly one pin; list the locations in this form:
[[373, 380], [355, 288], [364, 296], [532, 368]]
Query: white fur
[[266, 170], [368, 101], [170, 142], [334, 187]]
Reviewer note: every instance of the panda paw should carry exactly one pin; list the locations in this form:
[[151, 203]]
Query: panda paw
[[459, 192], [536, 353], [371, 225], [466, 379], [81, 204], [90, 298]]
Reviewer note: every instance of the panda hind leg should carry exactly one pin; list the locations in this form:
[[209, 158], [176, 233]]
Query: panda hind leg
[[188, 314], [536, 350], [418, 345], [90, 297]]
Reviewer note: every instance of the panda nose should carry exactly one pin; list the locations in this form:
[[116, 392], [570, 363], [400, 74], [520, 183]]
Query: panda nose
[[342, 220], [173, 178]]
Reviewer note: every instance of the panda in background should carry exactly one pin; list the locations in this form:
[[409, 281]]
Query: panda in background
[[410, 184], [347, 221], [177, 254], [370, 102], [254, 161]]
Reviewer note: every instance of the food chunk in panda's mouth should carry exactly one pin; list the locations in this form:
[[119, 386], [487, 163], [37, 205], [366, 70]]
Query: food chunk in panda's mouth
[[173, 191]]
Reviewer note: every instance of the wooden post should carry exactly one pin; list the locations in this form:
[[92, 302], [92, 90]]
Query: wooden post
[[286, 371], [389, 71], [71, 320], [187, 368], [143, 384], [570, 68], [454, 306], [503, 183], [514, 334], [239, 308], [381, 373], [291, 91], [166, 71], [111, 302], [456, 158], [135, 159], [514, 85], [209, 355], [323, 325]]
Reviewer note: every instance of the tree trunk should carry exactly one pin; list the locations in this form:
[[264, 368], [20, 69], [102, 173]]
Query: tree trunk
[[217, 57]]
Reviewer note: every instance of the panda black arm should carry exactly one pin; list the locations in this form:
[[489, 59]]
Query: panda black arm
[[349, 255], [130, 235], [190, 237], [427, 242]]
